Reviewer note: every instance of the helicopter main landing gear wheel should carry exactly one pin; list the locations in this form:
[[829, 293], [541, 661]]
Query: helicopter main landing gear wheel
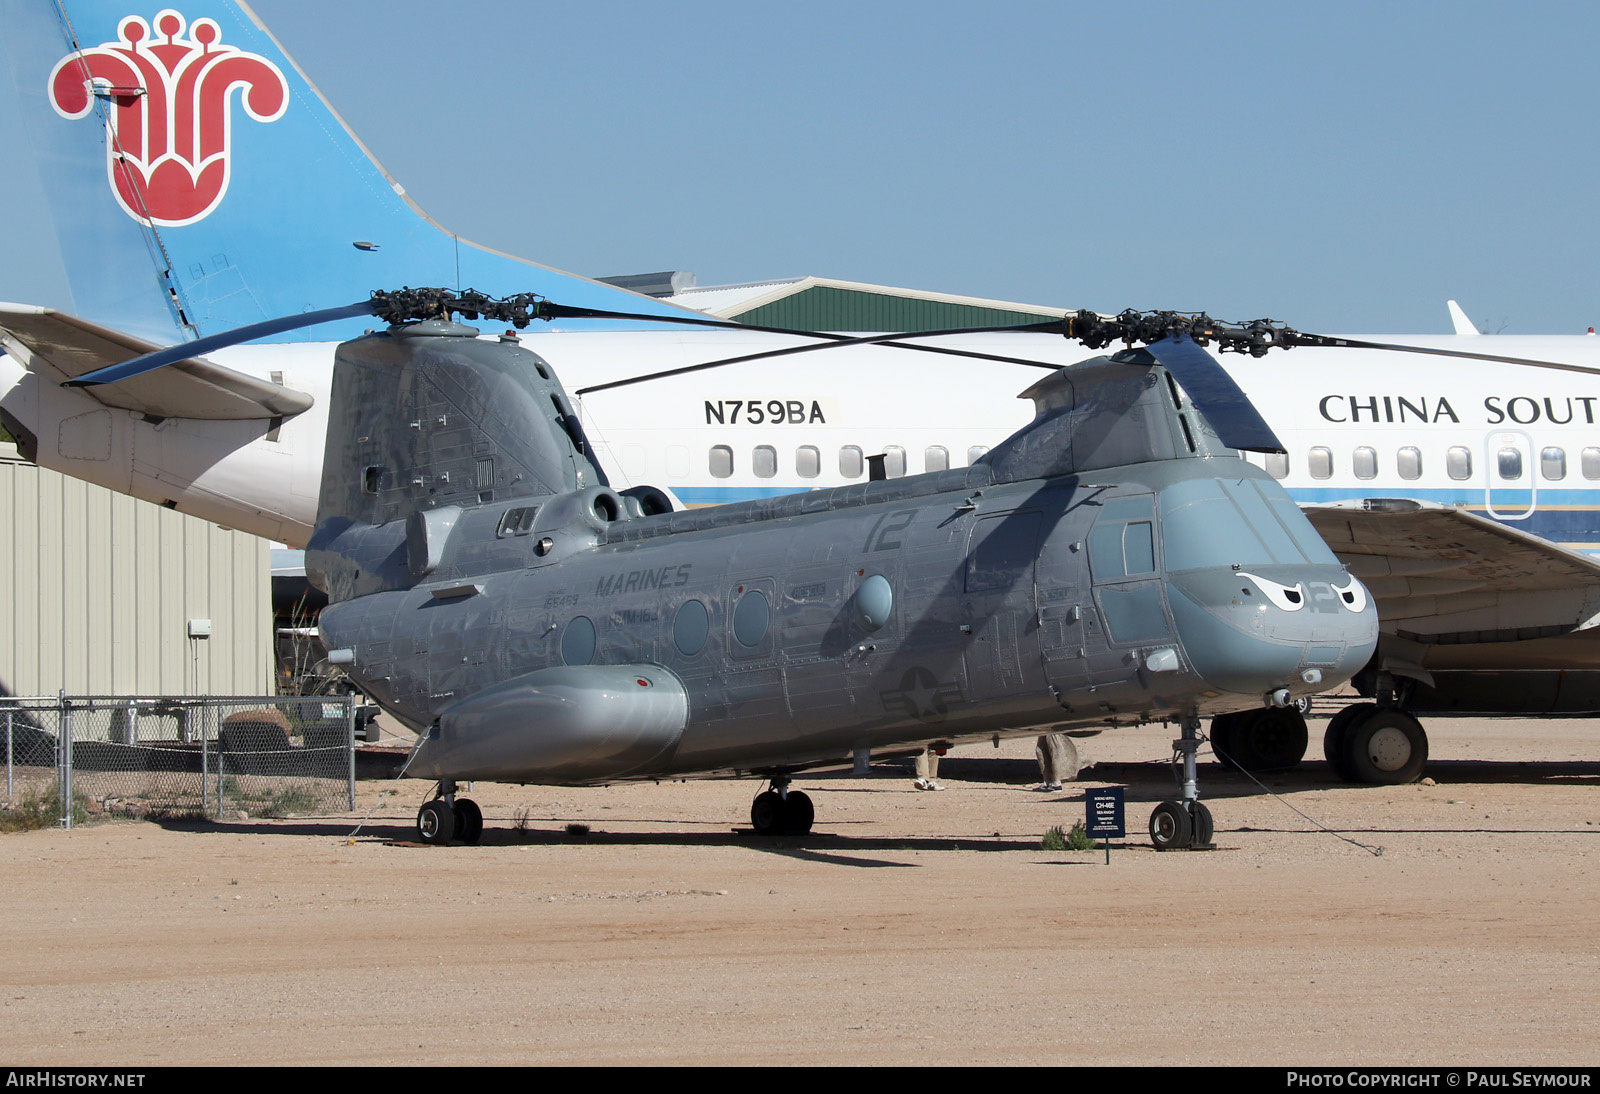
[[1184, 824], [781, 811], [448, 817], [1181, 826], [469, 820], [436, 822]]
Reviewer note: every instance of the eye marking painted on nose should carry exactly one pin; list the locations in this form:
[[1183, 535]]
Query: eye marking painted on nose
[[1291, 598], [1353, 595]]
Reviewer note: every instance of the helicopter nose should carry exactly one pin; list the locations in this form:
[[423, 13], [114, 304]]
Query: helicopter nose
[[1250, 632]]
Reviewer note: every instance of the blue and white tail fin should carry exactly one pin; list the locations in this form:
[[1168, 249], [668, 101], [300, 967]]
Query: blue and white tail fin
[[198, 181]]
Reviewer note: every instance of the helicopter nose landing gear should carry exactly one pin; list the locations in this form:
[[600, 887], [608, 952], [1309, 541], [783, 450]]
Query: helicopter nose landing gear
[[448, 817], [1184, 825], [781, 811]]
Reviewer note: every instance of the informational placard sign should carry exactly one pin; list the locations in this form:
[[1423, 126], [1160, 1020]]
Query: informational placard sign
[[1104, 815], [1104, 808]]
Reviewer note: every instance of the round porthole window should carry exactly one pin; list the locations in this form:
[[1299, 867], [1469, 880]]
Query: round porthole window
[[874, 602], [577, 641], [690, 627], [750, 618]]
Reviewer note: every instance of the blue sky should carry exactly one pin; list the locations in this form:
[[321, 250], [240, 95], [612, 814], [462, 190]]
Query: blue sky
[[1342, 167]]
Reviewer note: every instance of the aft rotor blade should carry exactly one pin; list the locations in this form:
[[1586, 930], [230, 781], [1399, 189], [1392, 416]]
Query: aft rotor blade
[[185, 350], [893, 341], [1210, 388]]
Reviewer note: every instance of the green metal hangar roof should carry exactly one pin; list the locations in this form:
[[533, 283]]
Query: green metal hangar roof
[[823, 303]]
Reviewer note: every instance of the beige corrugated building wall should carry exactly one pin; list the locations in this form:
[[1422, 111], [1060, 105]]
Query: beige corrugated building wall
[[100, 588]]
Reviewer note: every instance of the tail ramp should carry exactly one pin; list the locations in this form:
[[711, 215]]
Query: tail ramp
[[198, 181]]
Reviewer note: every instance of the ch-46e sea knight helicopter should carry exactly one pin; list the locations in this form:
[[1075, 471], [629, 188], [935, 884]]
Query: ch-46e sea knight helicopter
[[1113, 562]]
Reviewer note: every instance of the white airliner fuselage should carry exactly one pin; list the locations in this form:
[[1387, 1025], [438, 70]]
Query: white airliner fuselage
[[1519, 445]]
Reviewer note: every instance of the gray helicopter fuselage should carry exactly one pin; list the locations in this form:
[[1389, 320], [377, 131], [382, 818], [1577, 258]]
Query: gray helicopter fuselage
[[567, 637]]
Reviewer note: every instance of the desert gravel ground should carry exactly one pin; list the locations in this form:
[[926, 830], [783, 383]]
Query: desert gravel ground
[[910, 928]]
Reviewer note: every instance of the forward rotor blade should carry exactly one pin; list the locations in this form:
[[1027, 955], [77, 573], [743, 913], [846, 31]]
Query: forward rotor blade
[[1210, 388], [185, 350]]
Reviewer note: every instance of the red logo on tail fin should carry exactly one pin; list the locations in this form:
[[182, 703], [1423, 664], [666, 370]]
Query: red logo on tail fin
[[165, 101]]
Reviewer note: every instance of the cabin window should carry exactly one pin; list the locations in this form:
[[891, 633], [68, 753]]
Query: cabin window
[[976, 453], [936, 458], [750, 618], [851, 463], [1278, 464], [577, 641], [1509, 463], [1319, 461], [1590, 459], [721, 461], [1365, 461], [894, 462], [677, 461], [690, 627], [1553, 464], [764, 461], [807, 461], [1408, 461], [1458, 463]]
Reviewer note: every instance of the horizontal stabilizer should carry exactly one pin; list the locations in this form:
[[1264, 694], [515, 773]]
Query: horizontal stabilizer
[[192, 388]]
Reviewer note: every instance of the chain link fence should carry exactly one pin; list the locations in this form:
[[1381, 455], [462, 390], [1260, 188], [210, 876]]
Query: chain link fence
[[221, 756]]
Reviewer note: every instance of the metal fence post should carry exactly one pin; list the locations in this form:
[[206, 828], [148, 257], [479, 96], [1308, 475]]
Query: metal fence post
[[10, 785], [205, 755], [214, 717], [350, 745], [64, 784]]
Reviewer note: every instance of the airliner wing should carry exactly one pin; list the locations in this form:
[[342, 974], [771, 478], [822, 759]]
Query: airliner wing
[[1446, 575], [194, 388]]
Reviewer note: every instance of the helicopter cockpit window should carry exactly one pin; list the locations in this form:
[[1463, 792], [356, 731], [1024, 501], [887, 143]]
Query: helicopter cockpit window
[[1122, 543], [1211, 523]]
